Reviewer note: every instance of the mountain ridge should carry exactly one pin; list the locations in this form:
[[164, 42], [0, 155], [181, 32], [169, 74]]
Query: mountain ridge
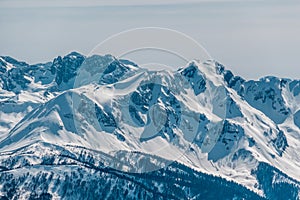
[[215, 122]]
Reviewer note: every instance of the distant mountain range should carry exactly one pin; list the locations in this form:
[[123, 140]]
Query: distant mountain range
[[102, 128]]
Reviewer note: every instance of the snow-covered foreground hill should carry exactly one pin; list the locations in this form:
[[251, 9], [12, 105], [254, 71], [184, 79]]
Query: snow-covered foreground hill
[[102, 128]]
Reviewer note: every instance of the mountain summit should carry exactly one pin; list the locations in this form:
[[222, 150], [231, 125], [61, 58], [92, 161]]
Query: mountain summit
[[99, 127]]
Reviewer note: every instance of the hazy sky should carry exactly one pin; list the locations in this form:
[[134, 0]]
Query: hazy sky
[[252, 38]]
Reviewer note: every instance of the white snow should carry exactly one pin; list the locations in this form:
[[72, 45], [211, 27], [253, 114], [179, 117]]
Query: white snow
[[50, 123]]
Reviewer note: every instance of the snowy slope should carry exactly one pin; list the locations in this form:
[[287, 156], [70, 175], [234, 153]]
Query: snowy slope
[[136, 120]]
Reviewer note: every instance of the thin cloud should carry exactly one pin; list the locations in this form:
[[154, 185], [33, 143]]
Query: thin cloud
[[88, 3]]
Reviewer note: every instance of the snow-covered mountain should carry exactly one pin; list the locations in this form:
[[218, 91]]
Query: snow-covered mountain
[[102, 128]]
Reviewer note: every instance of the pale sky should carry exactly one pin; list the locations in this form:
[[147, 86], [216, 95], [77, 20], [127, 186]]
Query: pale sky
[[252, 38]]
